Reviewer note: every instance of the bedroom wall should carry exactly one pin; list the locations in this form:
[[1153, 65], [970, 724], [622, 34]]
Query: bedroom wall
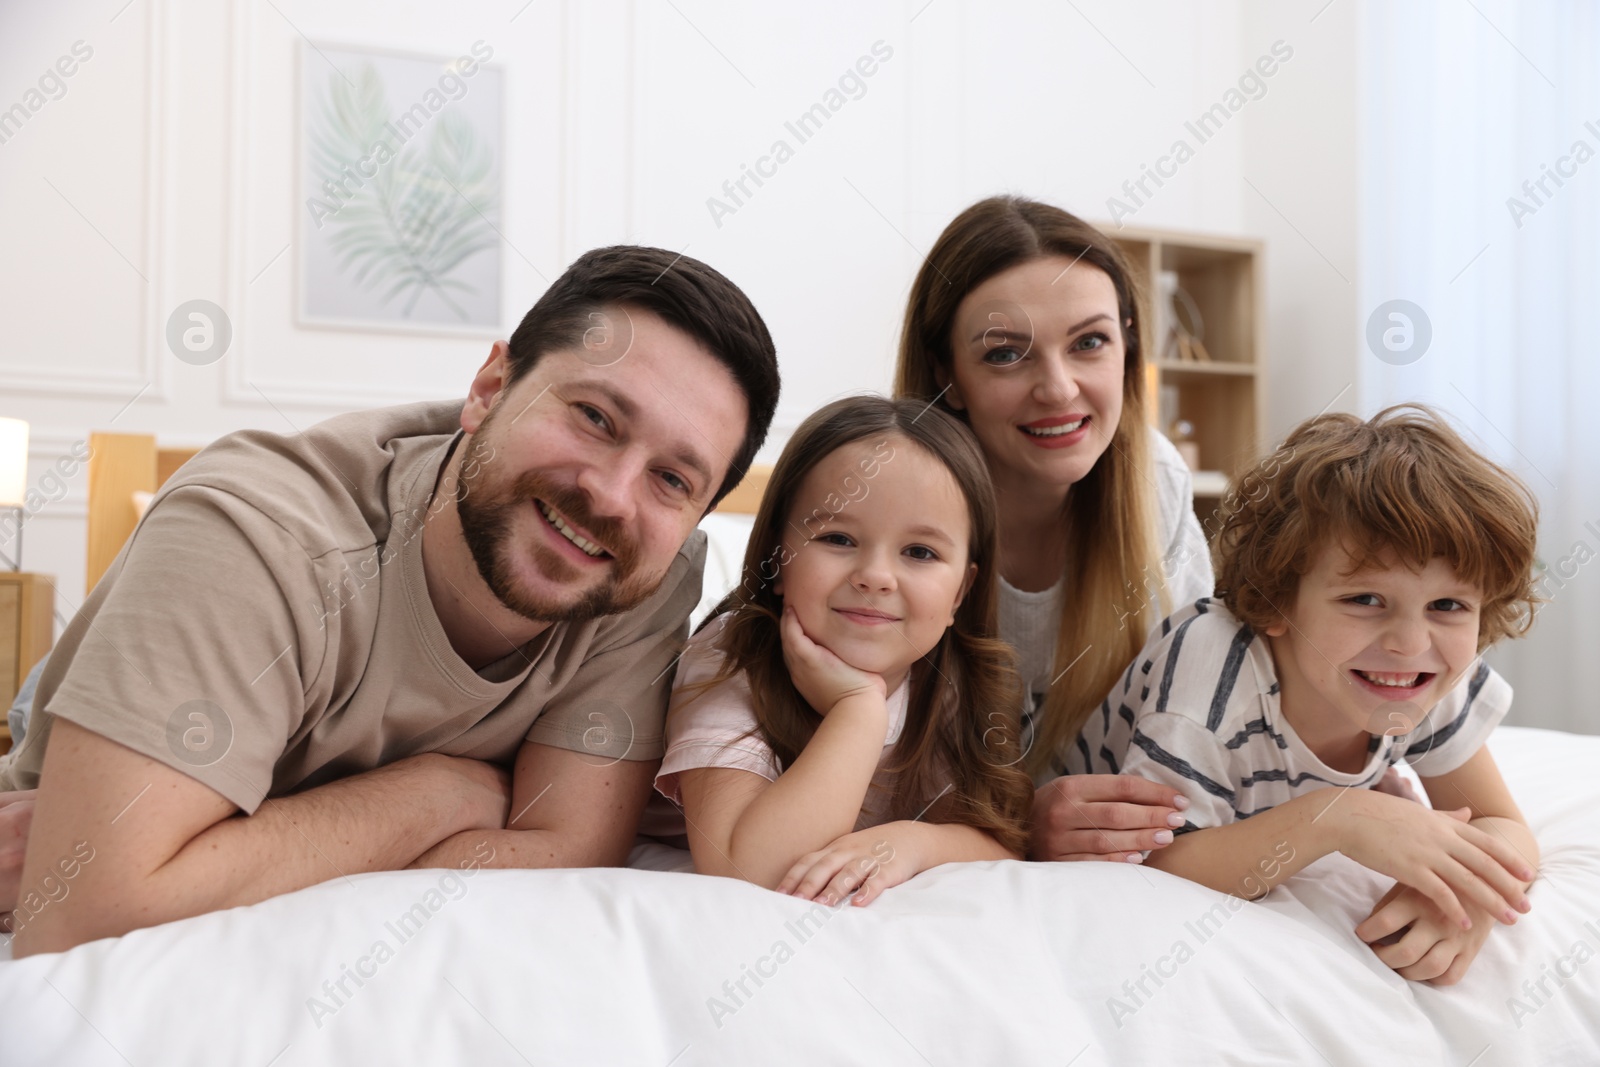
[[163, 173]]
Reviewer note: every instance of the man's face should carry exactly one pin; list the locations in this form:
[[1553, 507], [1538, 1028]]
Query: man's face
[[584, 478]]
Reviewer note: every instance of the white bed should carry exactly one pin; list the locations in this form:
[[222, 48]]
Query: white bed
[[967, 964]]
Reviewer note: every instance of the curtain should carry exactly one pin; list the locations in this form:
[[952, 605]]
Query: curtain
[[1480, 174]]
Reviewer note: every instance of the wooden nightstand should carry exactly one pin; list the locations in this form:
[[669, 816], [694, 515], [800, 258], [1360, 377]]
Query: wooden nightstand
[[27, 629]]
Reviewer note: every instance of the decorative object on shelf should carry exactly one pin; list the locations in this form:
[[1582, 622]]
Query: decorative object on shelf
[[1203, 284], [1183, 341], [13, 489], [1182, 436], [400, 204]]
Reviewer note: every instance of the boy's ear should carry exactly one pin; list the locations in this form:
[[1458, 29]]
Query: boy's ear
[[1277, 629]]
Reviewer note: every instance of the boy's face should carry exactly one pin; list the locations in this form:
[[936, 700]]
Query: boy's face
[[1374, 651]]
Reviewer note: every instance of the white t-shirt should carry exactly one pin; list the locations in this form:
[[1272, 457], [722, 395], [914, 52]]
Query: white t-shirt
[[1030, 621], [1199, 710], [716, 728]]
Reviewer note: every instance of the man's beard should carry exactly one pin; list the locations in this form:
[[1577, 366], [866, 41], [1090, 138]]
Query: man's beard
[[487, 510]]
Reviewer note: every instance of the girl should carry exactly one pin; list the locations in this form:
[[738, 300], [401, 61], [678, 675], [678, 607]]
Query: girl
[[1027, 323], [847, 718]]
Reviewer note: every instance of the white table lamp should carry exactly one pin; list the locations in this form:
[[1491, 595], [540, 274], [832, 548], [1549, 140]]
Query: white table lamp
[[13, 482]]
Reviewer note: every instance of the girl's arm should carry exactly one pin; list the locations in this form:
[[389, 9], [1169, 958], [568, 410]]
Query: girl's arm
[[742, 826], [1446, 860], [869, 861]]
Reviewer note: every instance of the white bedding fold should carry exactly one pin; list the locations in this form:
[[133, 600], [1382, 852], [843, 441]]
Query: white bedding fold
[[967, 964]]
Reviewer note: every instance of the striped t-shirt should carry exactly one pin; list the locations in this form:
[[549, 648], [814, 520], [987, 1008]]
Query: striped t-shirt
[[1199, 710]]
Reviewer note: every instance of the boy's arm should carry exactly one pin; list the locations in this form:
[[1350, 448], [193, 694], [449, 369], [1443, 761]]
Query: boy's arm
[[1429, 949], [1248, 858], [1478, 785], [1447, 861]]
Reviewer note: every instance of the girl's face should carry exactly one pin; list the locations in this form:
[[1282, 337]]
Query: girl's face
[[1036, 363], [875, 554]]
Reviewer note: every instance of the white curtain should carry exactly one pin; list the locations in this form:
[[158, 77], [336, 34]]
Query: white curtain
[[1464, 102]]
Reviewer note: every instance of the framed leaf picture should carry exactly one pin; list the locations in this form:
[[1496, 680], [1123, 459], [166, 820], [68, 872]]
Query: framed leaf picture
[[400, 190]]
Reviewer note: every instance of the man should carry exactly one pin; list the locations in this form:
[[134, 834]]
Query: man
[[319, 652]]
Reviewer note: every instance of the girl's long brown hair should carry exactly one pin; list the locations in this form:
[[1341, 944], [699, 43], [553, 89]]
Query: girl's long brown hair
[[1114, 579], [959, 753]]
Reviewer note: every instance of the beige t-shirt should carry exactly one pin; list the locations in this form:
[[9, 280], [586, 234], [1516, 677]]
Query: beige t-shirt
[[267, 628]]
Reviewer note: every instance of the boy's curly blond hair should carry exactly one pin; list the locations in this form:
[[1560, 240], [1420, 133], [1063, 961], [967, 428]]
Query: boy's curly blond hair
[[1404, 482]]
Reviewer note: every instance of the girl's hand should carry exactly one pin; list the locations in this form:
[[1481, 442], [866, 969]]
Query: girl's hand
[[864, 863], [1437, 853], [1103, 817], [1433, 949], [820, 676]]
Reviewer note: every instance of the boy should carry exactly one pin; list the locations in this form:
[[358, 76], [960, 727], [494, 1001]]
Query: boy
[[1361, 573]]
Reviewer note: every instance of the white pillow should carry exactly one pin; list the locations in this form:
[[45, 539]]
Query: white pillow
[[726, 536]]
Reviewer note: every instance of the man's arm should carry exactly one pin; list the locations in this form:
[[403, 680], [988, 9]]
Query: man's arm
[[166, 847], [568, 809]]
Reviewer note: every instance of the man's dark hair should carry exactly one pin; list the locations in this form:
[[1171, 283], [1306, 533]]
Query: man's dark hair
[[685, 293]]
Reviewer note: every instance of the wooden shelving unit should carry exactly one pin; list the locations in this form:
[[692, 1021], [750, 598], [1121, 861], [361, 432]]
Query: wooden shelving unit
[[1223, 398], [27, 629]]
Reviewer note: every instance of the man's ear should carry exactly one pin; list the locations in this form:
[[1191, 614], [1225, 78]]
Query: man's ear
[[948, 389], [490, 381]]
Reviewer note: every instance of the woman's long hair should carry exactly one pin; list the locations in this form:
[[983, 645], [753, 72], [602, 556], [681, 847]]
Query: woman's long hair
[[959, 754], [1113, 571]]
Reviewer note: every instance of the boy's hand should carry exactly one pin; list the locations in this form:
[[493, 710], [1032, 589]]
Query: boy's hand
[[1432, 950], [820, 676], [1438, 853], [864, 863]]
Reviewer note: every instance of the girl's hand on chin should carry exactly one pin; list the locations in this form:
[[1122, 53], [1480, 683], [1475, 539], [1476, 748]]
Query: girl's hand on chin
[[820, 676]]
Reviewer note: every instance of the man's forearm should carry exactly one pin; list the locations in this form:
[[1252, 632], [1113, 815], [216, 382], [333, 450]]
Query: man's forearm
[[379, 820], [516, 849]]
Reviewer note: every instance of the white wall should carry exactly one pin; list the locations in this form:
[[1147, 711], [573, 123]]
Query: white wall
[[1300, 184], [165, 174]]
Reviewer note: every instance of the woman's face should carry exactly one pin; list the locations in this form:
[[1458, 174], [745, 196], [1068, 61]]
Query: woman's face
[[1036, 363]]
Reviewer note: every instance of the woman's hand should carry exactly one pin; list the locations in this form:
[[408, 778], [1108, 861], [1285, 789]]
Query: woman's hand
[[1438, 853], [864, 863], [1103, 817], [1414, 939], [820, 676]]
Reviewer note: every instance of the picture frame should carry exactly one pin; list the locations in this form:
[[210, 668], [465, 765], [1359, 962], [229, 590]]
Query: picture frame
[[399, 191]]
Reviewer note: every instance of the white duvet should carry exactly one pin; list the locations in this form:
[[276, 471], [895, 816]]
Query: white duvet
[[987, 963]]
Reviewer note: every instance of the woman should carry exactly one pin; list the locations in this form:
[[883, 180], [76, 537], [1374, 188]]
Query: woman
[[1026, 322]]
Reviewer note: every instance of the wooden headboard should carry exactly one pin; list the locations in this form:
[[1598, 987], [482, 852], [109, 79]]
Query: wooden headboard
[[122, 464]]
